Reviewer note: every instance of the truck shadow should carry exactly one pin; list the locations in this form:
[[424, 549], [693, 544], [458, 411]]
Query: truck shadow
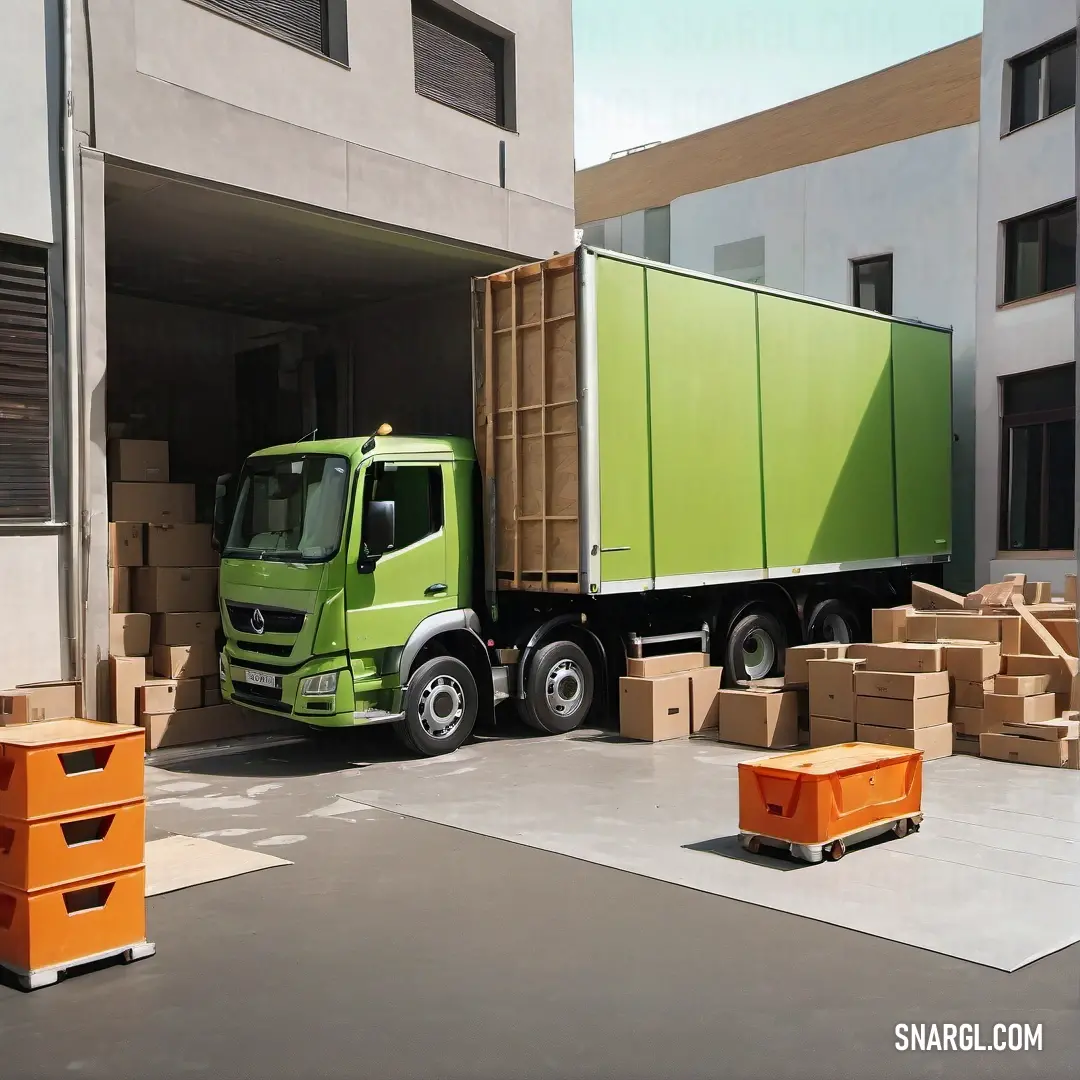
[[314, 753]]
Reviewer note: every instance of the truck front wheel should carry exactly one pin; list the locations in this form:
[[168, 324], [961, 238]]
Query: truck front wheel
[[440, 707], [558, 688]]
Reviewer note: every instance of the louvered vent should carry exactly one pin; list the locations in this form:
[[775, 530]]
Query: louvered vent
[[300, 21]]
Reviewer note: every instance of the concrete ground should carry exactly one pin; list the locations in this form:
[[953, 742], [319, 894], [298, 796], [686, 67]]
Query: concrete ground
[[397, 948]]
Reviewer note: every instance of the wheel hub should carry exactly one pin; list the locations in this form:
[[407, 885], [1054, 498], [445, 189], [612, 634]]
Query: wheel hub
[[759, 654], [835, 628], [564, 688], [442, 706]]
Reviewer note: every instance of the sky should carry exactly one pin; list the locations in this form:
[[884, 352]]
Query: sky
[[659, 69]]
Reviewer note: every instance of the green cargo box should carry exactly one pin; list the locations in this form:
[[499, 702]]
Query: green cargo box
[[643, 427]]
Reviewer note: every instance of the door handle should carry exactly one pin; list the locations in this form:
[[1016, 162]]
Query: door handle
[[432, 590]]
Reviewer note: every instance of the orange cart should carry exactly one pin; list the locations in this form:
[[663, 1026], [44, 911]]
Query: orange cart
[[817, 803]]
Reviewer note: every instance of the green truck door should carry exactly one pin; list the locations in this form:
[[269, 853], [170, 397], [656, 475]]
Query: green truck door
[[826, 403], [623, 402], [386, 604], [705, 427], [922, 396]]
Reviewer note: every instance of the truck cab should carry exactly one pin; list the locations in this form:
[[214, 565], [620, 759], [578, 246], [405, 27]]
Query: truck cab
[[341, 562]]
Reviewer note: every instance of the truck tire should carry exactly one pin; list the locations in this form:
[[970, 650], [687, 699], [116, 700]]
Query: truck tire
[[558, 688], [440, 707], [833, 620], [755, 647]]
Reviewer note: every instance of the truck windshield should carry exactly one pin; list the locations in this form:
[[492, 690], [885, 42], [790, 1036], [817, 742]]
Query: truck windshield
[[289, 509]]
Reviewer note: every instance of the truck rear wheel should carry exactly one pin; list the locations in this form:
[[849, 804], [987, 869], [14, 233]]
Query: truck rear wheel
[[558, 688], [833, 620], [440, 707], [755, 646]]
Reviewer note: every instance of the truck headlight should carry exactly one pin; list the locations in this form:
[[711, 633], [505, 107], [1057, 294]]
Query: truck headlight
[[319, 685]]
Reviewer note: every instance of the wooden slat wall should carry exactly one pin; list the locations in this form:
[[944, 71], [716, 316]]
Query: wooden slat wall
[[930, 93], [527, 427]]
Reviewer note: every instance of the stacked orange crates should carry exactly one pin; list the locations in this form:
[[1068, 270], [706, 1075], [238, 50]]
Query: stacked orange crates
[[72, 847]]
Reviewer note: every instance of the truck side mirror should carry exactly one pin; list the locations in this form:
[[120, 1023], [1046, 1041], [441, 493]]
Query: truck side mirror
[[378, 536], [224, 505]]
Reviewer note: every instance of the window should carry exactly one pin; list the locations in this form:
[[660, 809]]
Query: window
[[319, 25], [1038, 459], [25, 488], [1043, 82], [460, 64], [873, 284], [744, 260], [416, 492], [658, 234], [1040, 253]]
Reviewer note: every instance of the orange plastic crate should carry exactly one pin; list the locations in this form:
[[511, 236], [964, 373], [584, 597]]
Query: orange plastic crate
[[66, 766], [812, 797], [70, 923], [37, 855]]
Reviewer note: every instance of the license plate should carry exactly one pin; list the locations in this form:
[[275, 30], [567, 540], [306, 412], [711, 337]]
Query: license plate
[[261, 678]]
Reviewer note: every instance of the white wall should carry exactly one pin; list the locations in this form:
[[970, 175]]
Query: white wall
[[915, 199], [25, 193], [1021, 172], [31, 608]]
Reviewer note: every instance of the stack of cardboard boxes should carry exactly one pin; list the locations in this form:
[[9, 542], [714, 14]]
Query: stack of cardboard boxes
[[668, 697], [164, 621], [1009, 653], [31, 702]]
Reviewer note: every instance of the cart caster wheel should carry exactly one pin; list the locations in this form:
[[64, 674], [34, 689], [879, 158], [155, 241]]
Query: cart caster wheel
[[837, 850], [753, 845], [914, 825], [902, 827]]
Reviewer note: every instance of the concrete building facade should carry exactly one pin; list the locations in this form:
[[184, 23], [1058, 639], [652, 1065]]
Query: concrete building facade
[[278, 210]]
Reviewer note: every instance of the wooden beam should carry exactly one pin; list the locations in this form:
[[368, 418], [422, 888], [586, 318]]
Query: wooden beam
[[930, 598]]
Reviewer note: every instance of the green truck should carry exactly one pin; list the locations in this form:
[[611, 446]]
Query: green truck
[[658, 456]]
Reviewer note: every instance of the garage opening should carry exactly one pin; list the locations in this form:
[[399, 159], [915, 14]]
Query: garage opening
[[236, 323]]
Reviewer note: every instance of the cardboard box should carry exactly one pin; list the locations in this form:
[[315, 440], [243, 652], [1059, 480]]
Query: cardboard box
[[1046, 729], [972, 662], [1000, 747], [128, 674], [769, 719], [965, 744], [672, 664], [154, 504], [185, 661], [969, 722], [126, 543], [889, 624], [1037, 592], [934, 742], [169, 695], [654, 709], [1065, 633], [1061, 677], [797, 657], [119, 589], [899, 713], [1004, 709], [139, 461], [1073, 752], [704, 703], [185, 628], [44, 701], [832, 687], [208, 724], [211, 690], [970, 695], [179, 545], [903, 685], [161, 589], [129, 634], [990, 628], [1021, 685], [900, 656], [826, 731]]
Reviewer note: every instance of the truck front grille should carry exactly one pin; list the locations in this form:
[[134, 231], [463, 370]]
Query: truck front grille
[[272, 621]]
